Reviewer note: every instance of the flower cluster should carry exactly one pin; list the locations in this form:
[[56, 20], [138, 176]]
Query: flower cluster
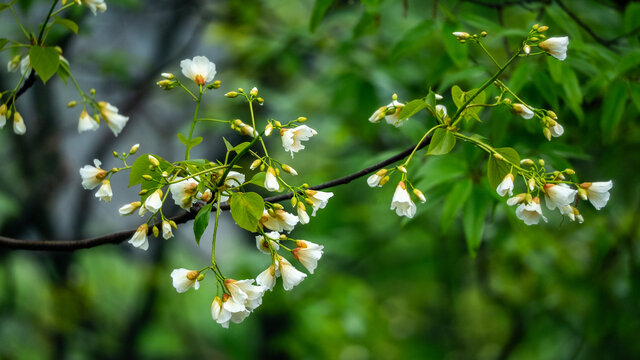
[[202, 184]]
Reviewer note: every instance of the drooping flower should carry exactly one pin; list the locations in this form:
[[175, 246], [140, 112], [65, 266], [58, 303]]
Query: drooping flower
[[19, 127], [184, 192], [530, 212], [558, 195], [302, 213], [267, 278], [184, 279], [292, 138], [319, 199], [245, 293], [225, 310], [556, 47], [167, 231], [128, 209], [308, 254], [95, 6], [3, 115], [522, 110], [506, 186], [105, 193], [87, 123], [270, 180], [280, 221], [92, 176], [234, 179], [199, 69], [401, 202], [115, 121], [154, 201], [139, 238], [516, 199], [441, 110], [556, 130], [374, 180], [263, 245], [290, 275], [378, 115], [598, 193]]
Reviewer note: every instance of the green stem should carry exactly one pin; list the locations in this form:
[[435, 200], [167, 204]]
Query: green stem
[[63, 8], [193, 125], [406, 163], [15, 16], [253, 123], [215, 232], [488, 149], [46, 21], [214, 120], [488, 53], [456, 118], [513, 94], [237, 158]]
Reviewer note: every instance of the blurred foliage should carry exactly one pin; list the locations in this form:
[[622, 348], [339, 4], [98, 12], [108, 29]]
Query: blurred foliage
[[387, 288]]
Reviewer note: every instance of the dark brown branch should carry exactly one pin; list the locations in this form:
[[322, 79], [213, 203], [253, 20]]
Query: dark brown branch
[[118, 237]]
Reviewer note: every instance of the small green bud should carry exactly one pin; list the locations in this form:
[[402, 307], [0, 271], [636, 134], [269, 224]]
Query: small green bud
[[394, 97], [305, 186], [238, 122], [498, 156], [143, 192], [153, 161], [72, 103], [541, 162], [200, 277], [302, 119], [569, 171], [156, 231], [262, 167], [173, 224], [277, 171], [308, 201], [278, 206], [260, 101], [231, 94], [534, 39], [543, 28], [92, 92], [277, 123], [115, 154], [115, 170], [168, 76], [283, 237], [134, 149], [165, 174], [542, 36], [483, 34], [271, 213], [147, 177], [241, 90], [384, 180], [536, 26], [294, 201], [552, 115], [547, 134], [254, 92], [402, 169], [507, 101], [527, 162]]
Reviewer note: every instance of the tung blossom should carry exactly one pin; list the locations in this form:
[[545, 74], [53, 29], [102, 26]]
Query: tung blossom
[[270, 180], [263, 246], [184, 191], [530, 212], [522, 110], [139, 238], [375, 179], [105, 193], [226, 309], [506, 185], [167, 231], [401, 202], [245, 293], [115, 121], [558, 195], [199, 69], [292, 138], [87, 123], [290, 275], [556, 47], [308, 254], [19, 127], [319, 199], [267, 278], [130, 208], [184, 279], [556, 130], [280, 221], [92, 176], [154, 202], [598, 193], [95, 6]]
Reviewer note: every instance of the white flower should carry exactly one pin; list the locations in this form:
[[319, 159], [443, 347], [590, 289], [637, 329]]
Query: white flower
[[302, 213], [556, 47], [522, 110], [105, 193], [558, 195], [3, 115], [95, 6], [267, 278], [154, 201], [516, 199], [394, 119], [378, 115], [270, 180], [441, 110], [223, 311], [25, 65], [292, 138], [92, 176], [530, 212], [556, 130], [115, 121], [374, 180], [402, 202], [87, 123], [598, 193], [290, 275], [139, 239], [263, 246], [308, 254], [200, 69], [319, 199], [167, 231], [234, 179], [248, 130], [19, 126], [128, 209], [245, 293], [527, 49], [184, 279], [506, 185], [461, 35], [13, 64], [281, 221], [184, 191]]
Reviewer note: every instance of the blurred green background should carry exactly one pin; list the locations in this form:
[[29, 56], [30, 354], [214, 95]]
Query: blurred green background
[[386, 288]]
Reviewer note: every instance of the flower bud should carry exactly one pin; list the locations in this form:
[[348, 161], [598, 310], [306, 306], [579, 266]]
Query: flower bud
[[483, 34], [206, 196], [168, 76], [541, 162], [536, 26], [114, 170], [147, 177], [394, 97], [271, 213], [384, 180], [255, 164], [381, 172], [173, 224], [14, 63], [289, 169], [165, 174], [583, 193], [532, 184], [402, 169], [215, 85], [419, 195], [231, 94], [153, 161], [552, 115], [528, 198], [294, 201], [260, 101], [278, 206], [115, 154], [543, 28], [254, 92], [283, 237], [534, 39], [166, 84], [302, 119], [305, 186], [241, 90], [238, 122], [569, 171], [277, 171], [547, 133], [262, 167], [308, 202], [507, 101], [526, 162], [143, 192], [527, 49], [134, 149], [156, 231], [72, 103], [498, 156], [200, 277], [277, 123], [268, 129], [92, 92]]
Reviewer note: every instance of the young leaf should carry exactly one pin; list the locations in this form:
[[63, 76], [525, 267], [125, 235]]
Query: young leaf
[[183, 139], [498, 169], [238, 148], [456, 198], [66, 23], [201, 221], [411, 108], [442, 142], [247, 209], [318, 13], [473, 220], [227, 144], [45, 61], [196, 141], [457, 96], [258, 179], [141, 167]]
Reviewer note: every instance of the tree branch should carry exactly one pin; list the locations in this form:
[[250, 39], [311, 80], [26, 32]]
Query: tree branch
[[118, 237]]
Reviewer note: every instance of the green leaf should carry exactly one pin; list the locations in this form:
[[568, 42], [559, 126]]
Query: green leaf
[[411, 108], [460, 98], [183, 139], [258, 179], [319, 11], [475, 210], [572, 91], [227, 144], [64, 72], [45, 61], [498, 169], [69, 24], [238, 148], [413, 40], [442, 142], [201, 221], [454, 201], [457, 95], [3, 42], [196, 141], [141, 167], [247, 209], [613, 107], [631, 16], [635, 94]]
